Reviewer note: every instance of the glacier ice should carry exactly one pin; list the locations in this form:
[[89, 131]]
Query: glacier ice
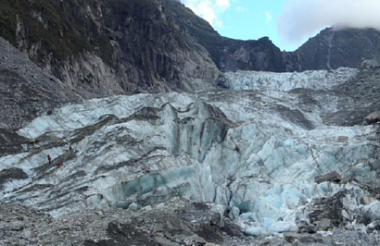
[[255, 152], [267, 81]]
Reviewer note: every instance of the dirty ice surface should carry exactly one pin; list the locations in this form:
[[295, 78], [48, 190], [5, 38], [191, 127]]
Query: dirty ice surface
[[255, 152]]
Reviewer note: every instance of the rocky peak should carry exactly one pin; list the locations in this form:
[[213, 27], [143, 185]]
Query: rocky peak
[[334, 48], [228, 54], [103, 48]]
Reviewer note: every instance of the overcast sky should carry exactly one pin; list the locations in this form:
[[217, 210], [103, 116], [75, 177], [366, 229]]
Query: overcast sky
[[288, 23]]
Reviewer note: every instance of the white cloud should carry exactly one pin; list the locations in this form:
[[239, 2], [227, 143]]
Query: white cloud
[[222, 4], [241, 9], [209, 9], [268, 17], [219, 24], [304, 18]]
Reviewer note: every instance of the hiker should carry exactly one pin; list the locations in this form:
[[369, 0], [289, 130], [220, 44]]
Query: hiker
[[59, 164], [49, 159]]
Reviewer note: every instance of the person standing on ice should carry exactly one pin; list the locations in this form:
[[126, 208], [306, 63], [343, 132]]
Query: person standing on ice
[[49, 159]]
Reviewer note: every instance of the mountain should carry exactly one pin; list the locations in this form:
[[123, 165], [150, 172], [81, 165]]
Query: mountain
[[110, 47], [332, 49], [107, 47], [228, 54]]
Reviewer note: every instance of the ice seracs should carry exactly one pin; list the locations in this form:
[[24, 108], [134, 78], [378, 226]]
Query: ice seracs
[[316, 80], [254, 153]]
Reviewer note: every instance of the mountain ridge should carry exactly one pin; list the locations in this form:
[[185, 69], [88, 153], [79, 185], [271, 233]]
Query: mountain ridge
[[123, 47]]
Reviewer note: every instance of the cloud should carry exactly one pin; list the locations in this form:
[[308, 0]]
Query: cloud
[[222, 4], [268, 17], [209, 9], [241, 9], [304, 18]]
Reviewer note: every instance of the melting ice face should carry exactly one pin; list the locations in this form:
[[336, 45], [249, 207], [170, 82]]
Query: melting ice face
[[255, 152]]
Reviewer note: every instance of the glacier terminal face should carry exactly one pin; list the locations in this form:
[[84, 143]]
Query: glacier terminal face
[[267, 81], [257, 153]]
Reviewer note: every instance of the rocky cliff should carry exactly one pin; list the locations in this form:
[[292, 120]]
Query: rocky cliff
[[25, 90], [107, 47], [332, 49], [228, 54]]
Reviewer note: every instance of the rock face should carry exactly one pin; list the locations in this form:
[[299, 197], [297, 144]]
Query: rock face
[[229, 54], [11, 174], [361, 97], [330, 49], [334, 48], [26, 91], [373, 118], [108, 47]]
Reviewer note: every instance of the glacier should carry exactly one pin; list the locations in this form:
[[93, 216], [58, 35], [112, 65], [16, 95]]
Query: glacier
[[255, 149], [312, 79]]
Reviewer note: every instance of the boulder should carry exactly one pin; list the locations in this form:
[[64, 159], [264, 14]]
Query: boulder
[[342, 139], [17, 226], [329, 177], [305, 227], [374, 226], [324, 225], [293, 237], [373, 118], [158, 228], [369, 64]]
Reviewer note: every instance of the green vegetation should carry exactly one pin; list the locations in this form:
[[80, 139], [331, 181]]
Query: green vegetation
[[197, 27], [59, 26], [8, 22]]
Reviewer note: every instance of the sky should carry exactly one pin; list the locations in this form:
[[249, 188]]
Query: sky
[[288, 23]]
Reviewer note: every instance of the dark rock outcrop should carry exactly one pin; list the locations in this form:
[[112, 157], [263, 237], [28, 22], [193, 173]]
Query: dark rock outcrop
[[373, 118], [332, 49], [329, 177], [11, 142], [327, 208], [359, 98], [107, 47], [26, 91], [11, 174], [228, 54]]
